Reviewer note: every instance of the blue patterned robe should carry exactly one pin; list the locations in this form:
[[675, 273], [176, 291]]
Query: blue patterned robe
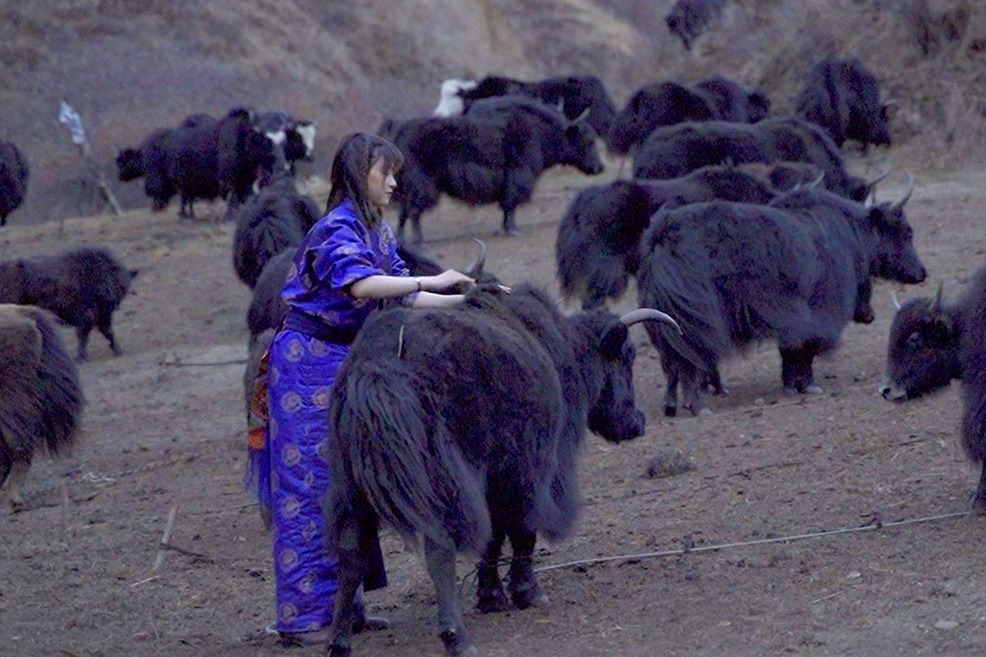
[[338, 251]]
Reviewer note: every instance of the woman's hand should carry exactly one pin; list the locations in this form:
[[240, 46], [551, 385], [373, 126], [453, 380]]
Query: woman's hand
[[448, 279]]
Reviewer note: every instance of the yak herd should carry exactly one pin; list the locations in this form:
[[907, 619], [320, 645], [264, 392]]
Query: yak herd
[[738, 226]]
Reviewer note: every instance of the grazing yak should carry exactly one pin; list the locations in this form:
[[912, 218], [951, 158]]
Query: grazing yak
[[688, 18], [82, 287], [299, 135], [598, 244], [463, 426], [843, 98], [205, 159], [268, 223], [14, 173], [40, 398], [668, 103], [574, 96], [933, 341], [673, 151], [796, 270], [483, 160]]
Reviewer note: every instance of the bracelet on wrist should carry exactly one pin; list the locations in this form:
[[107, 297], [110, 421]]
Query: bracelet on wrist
[[417, 282]]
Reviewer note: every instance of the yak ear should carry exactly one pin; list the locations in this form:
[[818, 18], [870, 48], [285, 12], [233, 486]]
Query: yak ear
[[612, 339]]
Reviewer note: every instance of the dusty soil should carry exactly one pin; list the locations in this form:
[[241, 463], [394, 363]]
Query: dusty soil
[[787, 487]]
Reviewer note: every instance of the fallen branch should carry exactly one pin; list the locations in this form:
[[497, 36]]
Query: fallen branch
[[168, 546]]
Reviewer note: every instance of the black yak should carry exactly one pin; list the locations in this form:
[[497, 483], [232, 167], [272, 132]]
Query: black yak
[[82, 287], [574, 96], [268, 223], [463, 426], [797, 271], [843, 98], [668, 103], [688, 18], [483, 160], [40, 398], [205, 158], [933, 341], [598, 244], [14, 173], [675, 150]]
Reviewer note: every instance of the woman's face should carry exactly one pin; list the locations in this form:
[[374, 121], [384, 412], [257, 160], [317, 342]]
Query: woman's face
[[380, 184]]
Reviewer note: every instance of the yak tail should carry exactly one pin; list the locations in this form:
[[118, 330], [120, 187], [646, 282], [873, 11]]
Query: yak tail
[[402, 459], [684, 291], [61, 394]]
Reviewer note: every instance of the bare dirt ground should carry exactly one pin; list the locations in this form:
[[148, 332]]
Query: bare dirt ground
[[163, 430]]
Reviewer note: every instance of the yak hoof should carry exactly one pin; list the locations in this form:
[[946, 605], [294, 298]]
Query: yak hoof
[[511, 232], [493, 601], [456, 645], [670, 411], [339, 651]]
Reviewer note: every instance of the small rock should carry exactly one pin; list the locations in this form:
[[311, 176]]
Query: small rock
[[946, 625]]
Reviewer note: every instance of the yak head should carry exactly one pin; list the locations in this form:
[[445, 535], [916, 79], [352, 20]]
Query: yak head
[[613, 414], [578, 147], [923, 350], [895, 257], [129, 165]]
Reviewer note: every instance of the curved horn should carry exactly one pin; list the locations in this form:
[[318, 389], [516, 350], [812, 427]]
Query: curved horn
[[581, 117], [816, 182], [871, 188], [893, 297], [644, 314], [475, 270], [936, 302], [899, 204]]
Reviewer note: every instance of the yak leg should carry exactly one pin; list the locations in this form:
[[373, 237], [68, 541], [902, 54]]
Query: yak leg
[[522, 582], [18, 473], [352, 551], [509, 224], [692, 379], [671, 395], [82, 332], [979, 503], [489, 594], [105, 326], [796, 370], [451, 629]]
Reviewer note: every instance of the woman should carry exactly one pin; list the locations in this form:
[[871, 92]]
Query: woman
[[343, 267]]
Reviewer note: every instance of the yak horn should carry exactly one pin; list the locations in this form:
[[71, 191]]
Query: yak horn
[[871, 188], [817, 181], [893, 297], [644, 314], [581, 117], [936, 302], [475, 270], [899, 204]]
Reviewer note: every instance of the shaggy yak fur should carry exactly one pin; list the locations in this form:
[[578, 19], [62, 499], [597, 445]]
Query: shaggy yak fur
[[40, 398], [14, 173], [82, 287], [482, 160], [463, 426], [268, 223], [933, 341], [675, 150], [797, 270]]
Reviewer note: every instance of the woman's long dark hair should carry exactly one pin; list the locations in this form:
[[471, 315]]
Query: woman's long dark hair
[[356, 155]]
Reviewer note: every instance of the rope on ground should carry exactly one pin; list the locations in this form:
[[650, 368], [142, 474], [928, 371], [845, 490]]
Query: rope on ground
[[874, 524]]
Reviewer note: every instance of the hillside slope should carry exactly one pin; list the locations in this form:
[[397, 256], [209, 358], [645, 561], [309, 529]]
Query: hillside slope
[[130, 67]]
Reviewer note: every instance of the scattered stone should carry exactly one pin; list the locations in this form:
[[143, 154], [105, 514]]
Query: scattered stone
[[946, 625], [668, 463]]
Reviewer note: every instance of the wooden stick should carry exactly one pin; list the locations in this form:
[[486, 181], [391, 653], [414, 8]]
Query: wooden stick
[[172, 515]]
